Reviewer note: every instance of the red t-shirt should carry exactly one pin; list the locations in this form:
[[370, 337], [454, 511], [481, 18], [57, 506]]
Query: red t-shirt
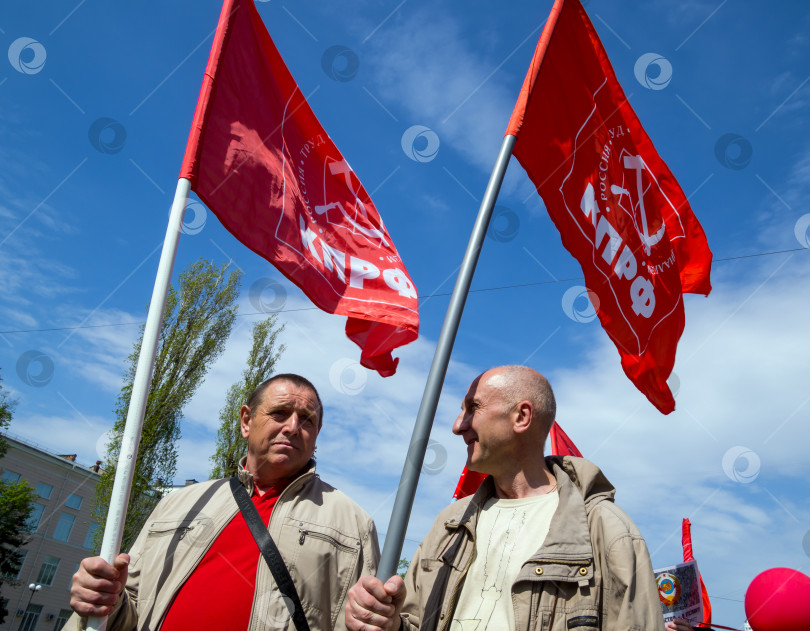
[[219, 592]]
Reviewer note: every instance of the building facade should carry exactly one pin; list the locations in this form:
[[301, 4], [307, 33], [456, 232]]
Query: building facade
[[63, 533]]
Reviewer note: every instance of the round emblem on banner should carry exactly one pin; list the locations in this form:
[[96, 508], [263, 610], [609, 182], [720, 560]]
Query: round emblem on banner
[[669, 588], [334, 197]]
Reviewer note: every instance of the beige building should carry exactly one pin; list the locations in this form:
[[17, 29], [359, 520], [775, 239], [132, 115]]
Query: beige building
[[62, 538]]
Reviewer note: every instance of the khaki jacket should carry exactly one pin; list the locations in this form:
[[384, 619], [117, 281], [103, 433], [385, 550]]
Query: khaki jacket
[[325, 539], [592, 572]]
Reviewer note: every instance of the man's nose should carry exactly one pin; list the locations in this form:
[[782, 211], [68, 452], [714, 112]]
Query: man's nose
[[461, 423], [293, 424]]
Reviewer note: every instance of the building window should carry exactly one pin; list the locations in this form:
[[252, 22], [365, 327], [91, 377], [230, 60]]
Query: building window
[[31, 617], [44, 490], [64, 526], [48, 570], [64, 614], [36, 515], [73, 501], [9, 476], [91, 536]]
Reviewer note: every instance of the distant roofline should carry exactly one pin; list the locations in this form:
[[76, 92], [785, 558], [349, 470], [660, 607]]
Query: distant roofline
[[68, 460]]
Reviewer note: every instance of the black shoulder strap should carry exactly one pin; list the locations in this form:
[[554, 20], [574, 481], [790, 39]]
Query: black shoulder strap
[[430, 617], [269, 551]]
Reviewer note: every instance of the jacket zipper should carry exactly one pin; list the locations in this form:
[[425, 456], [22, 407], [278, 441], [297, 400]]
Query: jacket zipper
[[183, 531], [318, 535], [292, 488]]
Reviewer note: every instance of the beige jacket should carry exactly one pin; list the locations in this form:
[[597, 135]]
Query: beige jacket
[[592, 572], [325, 539]]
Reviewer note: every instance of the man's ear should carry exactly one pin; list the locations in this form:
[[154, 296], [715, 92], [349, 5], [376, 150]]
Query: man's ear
[[523, 417], [244, 420]]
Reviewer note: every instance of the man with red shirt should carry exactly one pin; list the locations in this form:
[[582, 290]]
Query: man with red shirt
[[196, 565]]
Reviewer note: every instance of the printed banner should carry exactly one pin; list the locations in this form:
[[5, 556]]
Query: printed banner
[[679, 592]]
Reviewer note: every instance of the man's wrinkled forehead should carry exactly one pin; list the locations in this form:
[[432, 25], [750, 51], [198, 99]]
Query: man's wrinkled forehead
[[300, 400], [285, 393]]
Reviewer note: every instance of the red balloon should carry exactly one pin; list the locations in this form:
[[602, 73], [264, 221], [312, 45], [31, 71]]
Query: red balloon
[[779, 600]]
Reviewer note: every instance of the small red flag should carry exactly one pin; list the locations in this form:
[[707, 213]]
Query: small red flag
[[561, 445], [260, 160], [686, 542], [619, 209]]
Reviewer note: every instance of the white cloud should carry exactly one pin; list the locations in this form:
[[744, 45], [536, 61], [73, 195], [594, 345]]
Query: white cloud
[[687, 13], [193, 458], [778, 214], [28, 278], [100, 351], [70, 433], [20, 318]]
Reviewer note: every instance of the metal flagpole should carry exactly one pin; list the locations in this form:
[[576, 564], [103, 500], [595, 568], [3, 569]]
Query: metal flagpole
[[116, 513], [438, 369]]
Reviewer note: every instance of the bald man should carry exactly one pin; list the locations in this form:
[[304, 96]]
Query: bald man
[[540, 546]]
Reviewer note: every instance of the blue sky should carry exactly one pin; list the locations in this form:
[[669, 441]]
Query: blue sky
[[83, 213]]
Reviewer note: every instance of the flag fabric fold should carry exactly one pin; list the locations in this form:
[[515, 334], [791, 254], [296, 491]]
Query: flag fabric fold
[[619, 209], [260, 160], [561, 445], [686, 542]]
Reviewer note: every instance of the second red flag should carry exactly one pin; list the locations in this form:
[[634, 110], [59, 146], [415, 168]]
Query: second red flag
[[618, 208]]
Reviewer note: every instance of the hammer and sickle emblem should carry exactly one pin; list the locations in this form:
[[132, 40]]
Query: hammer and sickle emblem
[[342, 168], [647, 239]]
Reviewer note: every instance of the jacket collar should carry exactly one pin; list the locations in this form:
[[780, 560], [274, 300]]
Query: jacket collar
[[580, 484], [246, 477], [568, 537]]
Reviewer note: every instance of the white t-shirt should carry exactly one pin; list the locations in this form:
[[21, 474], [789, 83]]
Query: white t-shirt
[[508, 533]]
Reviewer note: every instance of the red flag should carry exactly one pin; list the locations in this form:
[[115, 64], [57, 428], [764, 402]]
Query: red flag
[[468, 483], [561, 445], [618, 208], [260, 160], [686, 541]]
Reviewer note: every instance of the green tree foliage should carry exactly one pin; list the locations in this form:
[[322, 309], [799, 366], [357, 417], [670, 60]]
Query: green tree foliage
[[16, 502], [6, 408], [402, 566], [261, 361], [197, 323]]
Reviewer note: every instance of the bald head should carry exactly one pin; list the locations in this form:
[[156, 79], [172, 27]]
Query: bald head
[[521, 383], [505, 419]]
